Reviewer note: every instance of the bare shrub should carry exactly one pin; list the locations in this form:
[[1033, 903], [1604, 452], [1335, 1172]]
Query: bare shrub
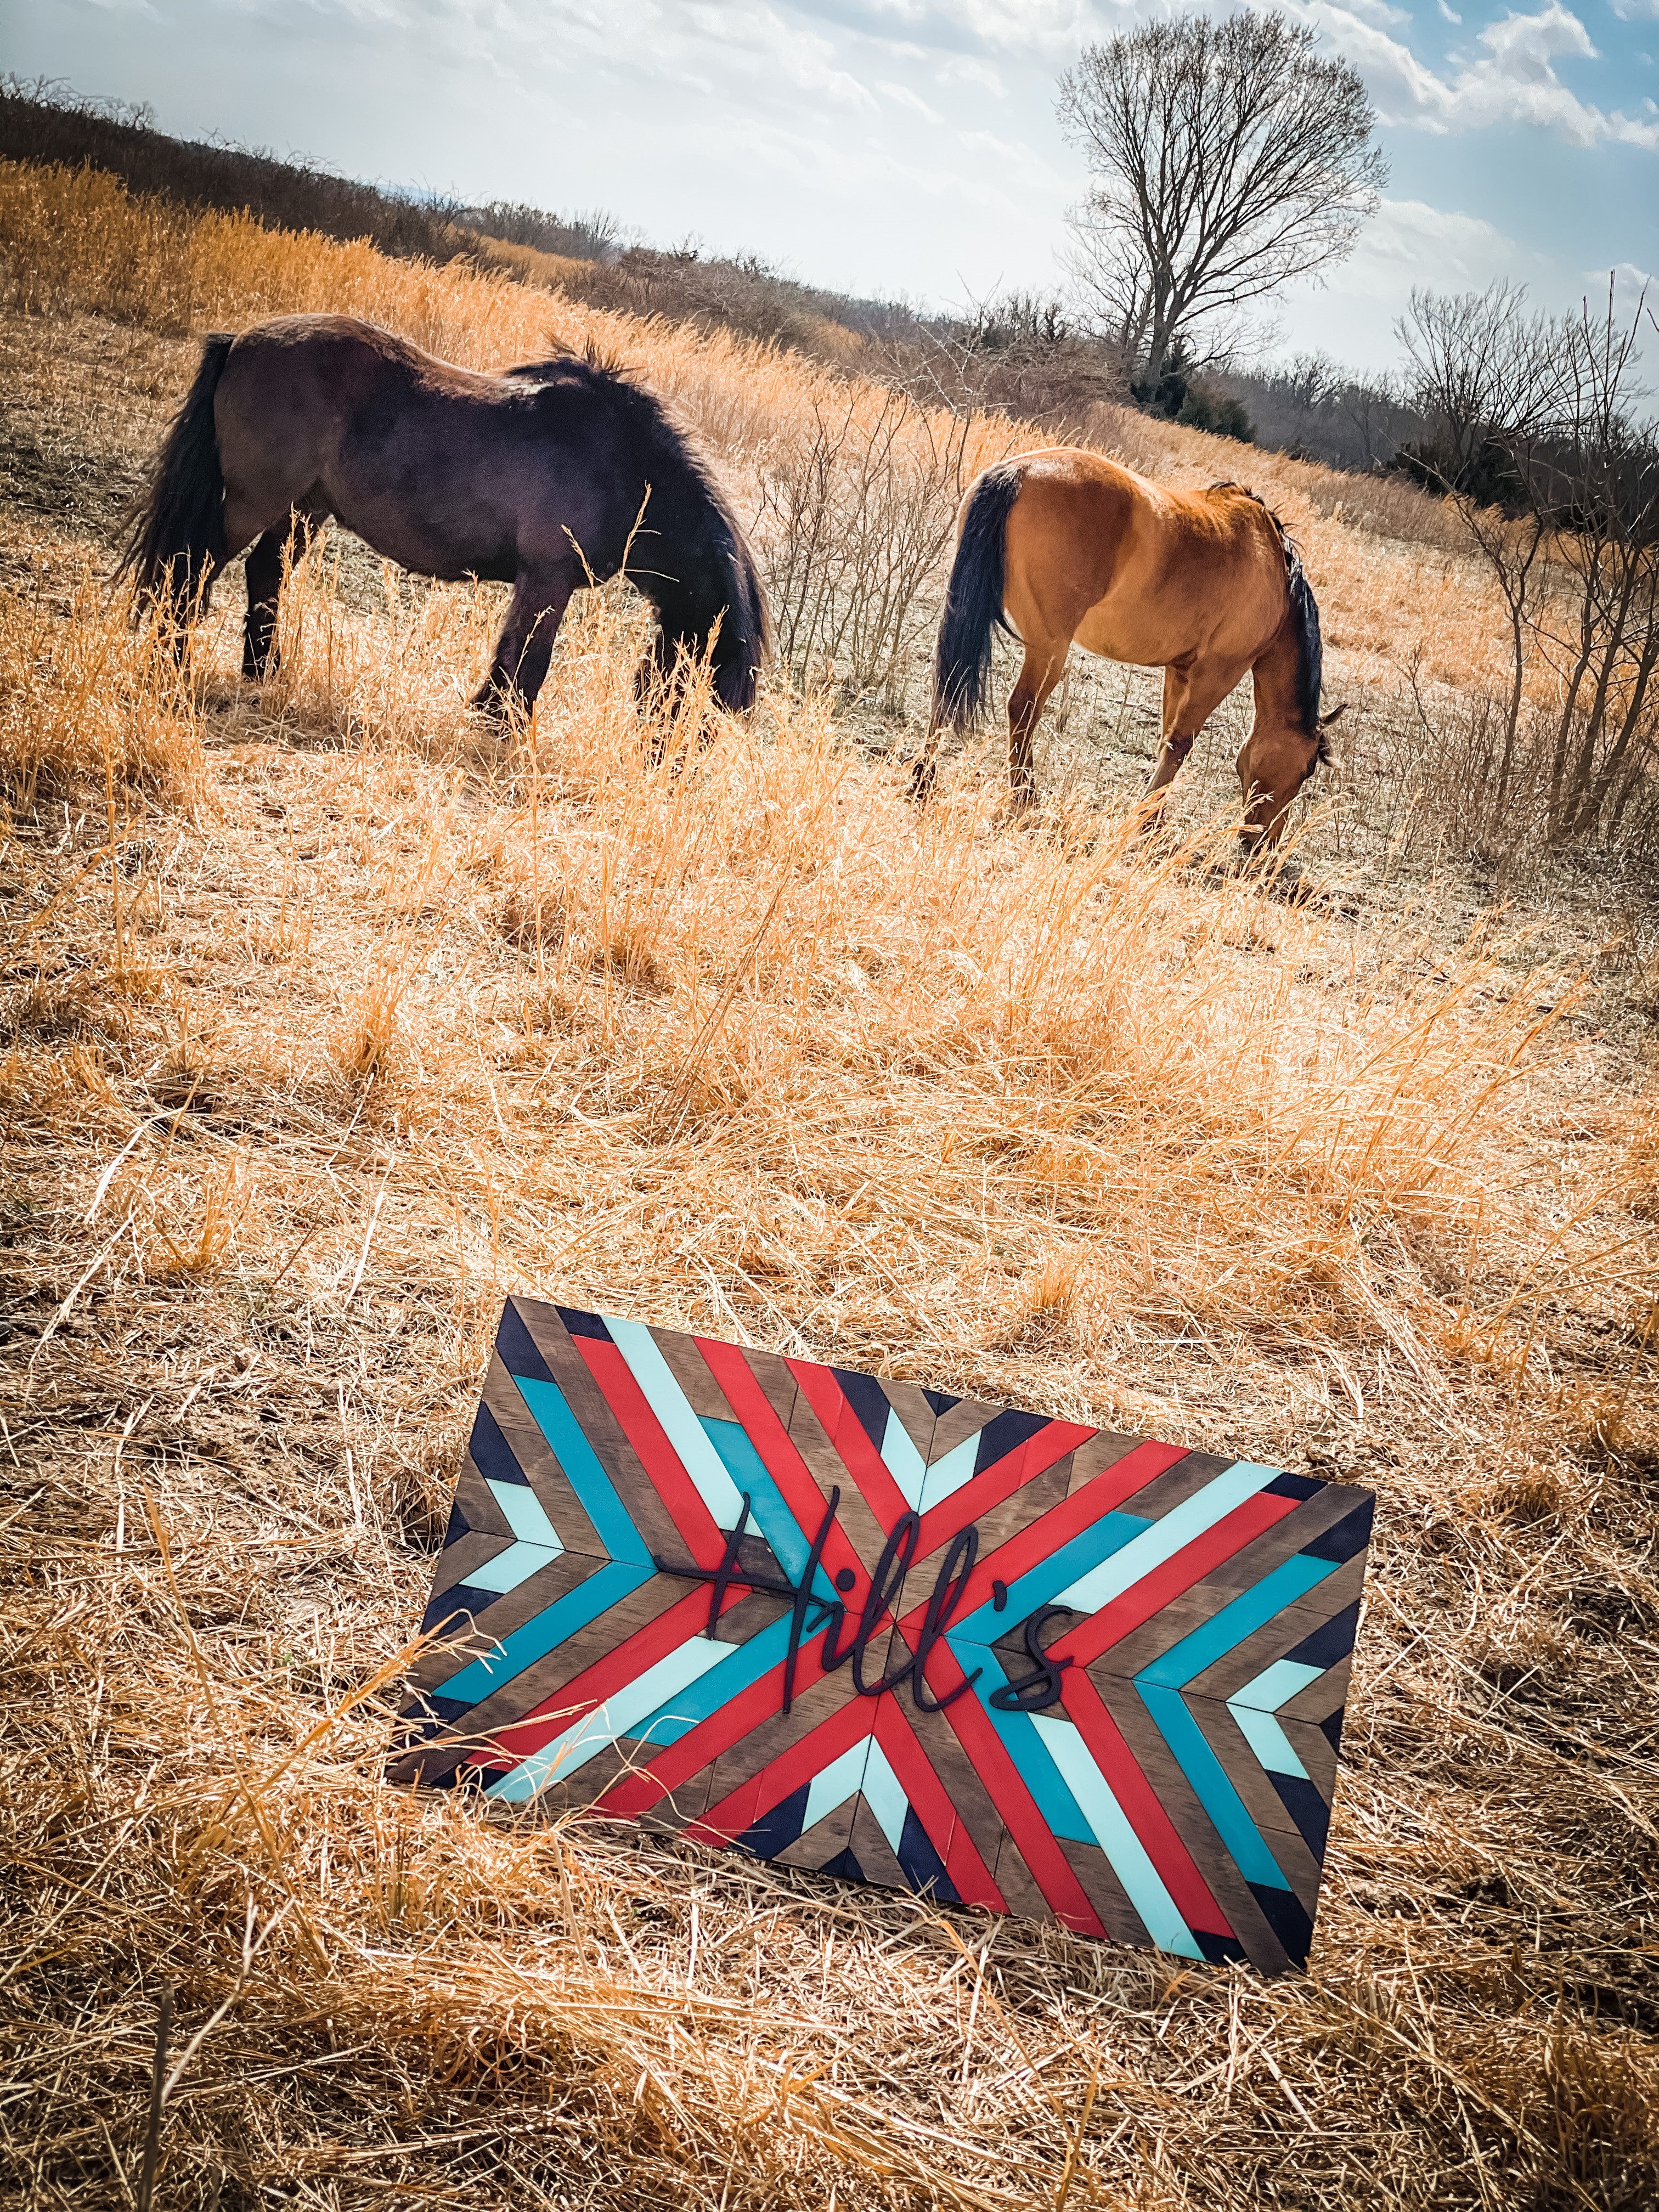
[[857, 509]]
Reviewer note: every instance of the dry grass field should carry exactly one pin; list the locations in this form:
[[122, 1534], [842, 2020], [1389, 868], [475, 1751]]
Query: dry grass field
[[326, 1019]]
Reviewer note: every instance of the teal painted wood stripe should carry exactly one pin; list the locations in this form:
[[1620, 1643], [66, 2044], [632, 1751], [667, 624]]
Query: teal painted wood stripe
[[612, 1523], [607, 1586], [1215, 1793], [1254, 1609], [768, 1509]]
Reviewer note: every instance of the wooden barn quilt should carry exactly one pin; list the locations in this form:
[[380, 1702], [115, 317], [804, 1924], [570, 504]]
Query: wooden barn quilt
[[852, 1623]]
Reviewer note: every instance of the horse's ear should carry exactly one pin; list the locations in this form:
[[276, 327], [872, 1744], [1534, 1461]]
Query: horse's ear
[[1335, 715]]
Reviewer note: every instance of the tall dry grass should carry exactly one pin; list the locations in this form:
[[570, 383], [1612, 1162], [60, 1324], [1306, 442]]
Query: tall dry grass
[[376, 1019]]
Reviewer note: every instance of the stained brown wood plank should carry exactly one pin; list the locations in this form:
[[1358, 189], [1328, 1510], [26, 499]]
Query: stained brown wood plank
[[958, 1423], [1193, 1825], [1098, 1452], [1105, 1892], [870, 1847], [824, 1839], [691, 1371]]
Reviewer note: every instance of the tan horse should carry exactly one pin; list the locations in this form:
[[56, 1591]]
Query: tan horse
[[1064, 545]]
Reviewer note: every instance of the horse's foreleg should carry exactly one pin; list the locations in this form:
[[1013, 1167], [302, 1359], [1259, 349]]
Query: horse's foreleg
[[1178, 742], [519, 668]]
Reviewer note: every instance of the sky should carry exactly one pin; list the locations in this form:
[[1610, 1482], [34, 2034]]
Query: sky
[[903, 147]]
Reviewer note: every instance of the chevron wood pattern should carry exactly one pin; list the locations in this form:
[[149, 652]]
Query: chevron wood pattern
[[851, 1624]]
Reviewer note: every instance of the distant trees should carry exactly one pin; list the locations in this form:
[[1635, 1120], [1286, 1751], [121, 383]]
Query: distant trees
[[1228, 158], [1532, 430]]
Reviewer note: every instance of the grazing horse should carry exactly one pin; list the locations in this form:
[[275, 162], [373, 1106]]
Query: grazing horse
[[551, 476], [1204, 585]]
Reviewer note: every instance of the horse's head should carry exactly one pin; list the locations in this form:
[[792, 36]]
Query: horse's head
[[1275, 761]]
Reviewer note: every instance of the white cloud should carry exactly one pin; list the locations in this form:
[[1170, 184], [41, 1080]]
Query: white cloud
[[1631, 11], [1448, 15], [1514, 80], [902, 96]]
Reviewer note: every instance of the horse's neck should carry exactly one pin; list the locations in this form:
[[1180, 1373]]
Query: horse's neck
[[1274, 677]]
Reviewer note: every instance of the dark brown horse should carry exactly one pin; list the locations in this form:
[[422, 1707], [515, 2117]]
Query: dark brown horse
[[1204, 585], [547, 478]]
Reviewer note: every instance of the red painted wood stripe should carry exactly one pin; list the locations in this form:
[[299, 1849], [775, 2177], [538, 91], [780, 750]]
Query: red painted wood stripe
[[1142, 1808], [868, 1469], [935, 1808], [583, 1694], [998, 1481], [1050, 1868], [1137, 1605], [660, 1461], [678, 1762], [1058, 1526], [803, 1762]]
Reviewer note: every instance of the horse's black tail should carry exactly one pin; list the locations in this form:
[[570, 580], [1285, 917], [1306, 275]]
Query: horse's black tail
[[178, 534], [973, 601]]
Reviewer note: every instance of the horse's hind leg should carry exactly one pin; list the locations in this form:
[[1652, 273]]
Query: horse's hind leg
[[519, 667], [286, 541], [1037, 678]]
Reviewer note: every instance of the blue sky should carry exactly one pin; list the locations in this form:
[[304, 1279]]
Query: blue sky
[[899, 146]]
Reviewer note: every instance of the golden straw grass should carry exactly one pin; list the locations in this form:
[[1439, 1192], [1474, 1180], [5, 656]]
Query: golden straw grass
[[326, 1020]]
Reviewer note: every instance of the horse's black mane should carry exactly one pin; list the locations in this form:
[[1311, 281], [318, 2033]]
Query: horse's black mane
[[670, 446], [1305, 614]]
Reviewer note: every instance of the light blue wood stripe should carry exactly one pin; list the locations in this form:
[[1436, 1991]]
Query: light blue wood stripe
[[526, 1515], [1276, 1686], [946, 1475], [585, 1738], [884, 1793], [1164, 1538], [1060, 1570], [1125, 1852], [1254, 1705], [903, 1461], [538, 1540], [680, 1425], [1272, 1748], [834, 1785]]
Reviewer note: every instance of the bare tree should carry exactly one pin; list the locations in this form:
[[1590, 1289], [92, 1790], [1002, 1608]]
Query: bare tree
[[1532, 430], [1229, 158]]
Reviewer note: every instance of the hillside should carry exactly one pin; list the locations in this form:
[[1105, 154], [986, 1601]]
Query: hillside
[[327, 1020]]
